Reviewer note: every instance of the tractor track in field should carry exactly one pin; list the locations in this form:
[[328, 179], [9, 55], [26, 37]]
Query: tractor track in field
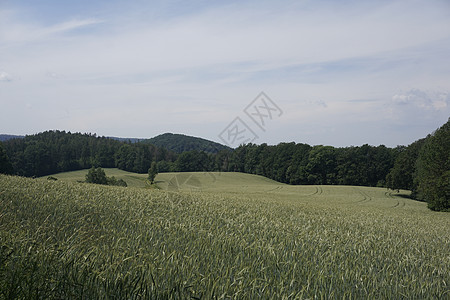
[[274, 189], [399, 204], [366, 198], [318, 191]]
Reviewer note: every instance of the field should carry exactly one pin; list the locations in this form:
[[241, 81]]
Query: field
[[217, 235], [132, 179]]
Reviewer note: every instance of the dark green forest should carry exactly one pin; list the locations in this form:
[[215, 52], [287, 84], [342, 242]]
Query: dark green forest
[[422, 167], [181, 143], [58, 151]]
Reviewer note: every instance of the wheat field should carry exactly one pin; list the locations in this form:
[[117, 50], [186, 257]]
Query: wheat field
[[218, 236]]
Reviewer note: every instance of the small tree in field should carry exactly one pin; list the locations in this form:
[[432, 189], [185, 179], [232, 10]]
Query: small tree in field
[[96, 175], [152, 171]]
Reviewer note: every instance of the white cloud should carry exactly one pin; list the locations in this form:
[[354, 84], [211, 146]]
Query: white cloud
[[206, 65], [54, 75], [425, 100], [15, 31], [227, 36], [5, 76], [71, 25]]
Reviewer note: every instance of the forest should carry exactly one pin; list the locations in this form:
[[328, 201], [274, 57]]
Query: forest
[[58, 151], [422, 167]]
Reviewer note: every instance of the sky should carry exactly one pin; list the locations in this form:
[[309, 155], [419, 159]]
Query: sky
[[322, 72]]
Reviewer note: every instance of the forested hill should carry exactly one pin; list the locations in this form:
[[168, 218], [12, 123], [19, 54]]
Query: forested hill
[[59, 151], [181, 143], [6, 137], [423, 167]]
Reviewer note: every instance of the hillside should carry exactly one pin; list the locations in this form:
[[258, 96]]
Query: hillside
[[259, 187], [241, 237], [422, 167], [7, 137], [180, 143], [132, 179]]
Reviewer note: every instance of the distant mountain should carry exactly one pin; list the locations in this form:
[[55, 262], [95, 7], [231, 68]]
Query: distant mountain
[[180, 143], [5, 137], [132, 140], [170, 141]]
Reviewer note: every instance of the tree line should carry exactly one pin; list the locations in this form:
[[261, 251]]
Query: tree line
[[422, 167], [59, 151]]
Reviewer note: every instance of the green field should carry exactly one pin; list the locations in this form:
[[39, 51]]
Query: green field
[[132, 179], [217, 235]]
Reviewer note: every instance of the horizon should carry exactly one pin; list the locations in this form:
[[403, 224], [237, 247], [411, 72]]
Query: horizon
[[199, 137], [339, 74]]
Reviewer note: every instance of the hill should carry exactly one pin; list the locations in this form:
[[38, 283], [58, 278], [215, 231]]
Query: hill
[[240, 236], [422, 167], [126, 140], [259, 187], [181, 143], [6, 137], [132, 179]]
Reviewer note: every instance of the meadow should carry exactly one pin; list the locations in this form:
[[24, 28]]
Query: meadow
[[132, 179], [217, 236]]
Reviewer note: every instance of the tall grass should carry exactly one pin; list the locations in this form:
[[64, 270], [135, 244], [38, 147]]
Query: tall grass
[[67, 240]]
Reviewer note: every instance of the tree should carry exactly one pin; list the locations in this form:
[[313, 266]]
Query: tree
[[321, 165], [152, 171], [5, 164], [433, 170], [402, 174], [96, 175], [192, 161]]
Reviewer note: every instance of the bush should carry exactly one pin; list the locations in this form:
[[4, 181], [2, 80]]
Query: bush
[[96, 175], [113, 181]]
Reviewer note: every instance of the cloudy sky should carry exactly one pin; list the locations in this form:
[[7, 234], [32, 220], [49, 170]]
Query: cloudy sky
[[340, 72]]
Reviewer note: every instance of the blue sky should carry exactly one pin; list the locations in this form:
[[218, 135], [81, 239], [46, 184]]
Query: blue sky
[[342, 72]]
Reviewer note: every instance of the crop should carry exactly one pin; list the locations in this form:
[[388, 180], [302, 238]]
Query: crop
[[259, 239]]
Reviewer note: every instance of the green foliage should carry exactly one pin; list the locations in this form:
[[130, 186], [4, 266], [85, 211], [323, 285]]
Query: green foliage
[[5, 137], [256, 239], [402, 175], [138, 157], [117, 182], [302, 164], [192, 161], [433, 170], [58, 151], [96, 175], [321, 165], [130, 179], [5, 165], [182, 143], [152, 171], [53, 152], [164, 166], [424, 168]]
